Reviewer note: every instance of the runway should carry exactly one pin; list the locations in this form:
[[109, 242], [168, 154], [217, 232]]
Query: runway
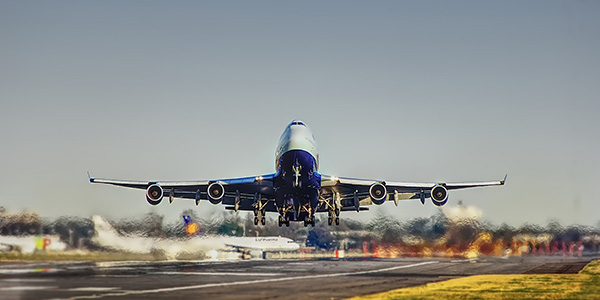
[[254, 279]]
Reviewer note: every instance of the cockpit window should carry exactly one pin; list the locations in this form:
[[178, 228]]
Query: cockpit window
[[298, 123]]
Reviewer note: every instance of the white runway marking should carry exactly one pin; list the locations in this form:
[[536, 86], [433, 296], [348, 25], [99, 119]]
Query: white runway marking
[[26, 280], [93, 289], [217, 273], [26, 288], [26, 271], [209, 285], [300, 263], [464, 260]]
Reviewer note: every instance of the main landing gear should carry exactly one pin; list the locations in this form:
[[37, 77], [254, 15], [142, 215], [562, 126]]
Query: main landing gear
[[334, 217], [259, 210], [310, 215], [309, 220], [333, 209], [284, 217]]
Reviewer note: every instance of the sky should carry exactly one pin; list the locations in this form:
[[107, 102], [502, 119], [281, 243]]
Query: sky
[[392, 90]]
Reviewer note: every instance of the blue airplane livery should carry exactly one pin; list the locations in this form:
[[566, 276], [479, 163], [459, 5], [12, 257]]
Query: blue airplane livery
[[296, 191]]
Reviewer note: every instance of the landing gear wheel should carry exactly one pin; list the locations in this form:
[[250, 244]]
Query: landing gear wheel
[[329, 221], [279, 223], [255, 220], [287, 223], [337, 221], [263, 221]]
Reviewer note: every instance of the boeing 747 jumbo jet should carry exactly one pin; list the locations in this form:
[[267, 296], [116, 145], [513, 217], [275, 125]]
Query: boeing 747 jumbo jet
[[296, 190]]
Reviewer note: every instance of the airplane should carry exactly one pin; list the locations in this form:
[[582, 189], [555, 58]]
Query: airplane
[[106, 236], [248, 244], [296, 191]]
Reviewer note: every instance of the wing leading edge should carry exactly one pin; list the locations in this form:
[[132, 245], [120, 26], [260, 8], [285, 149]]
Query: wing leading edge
[[343, 193], [348, 190], [237, 190]]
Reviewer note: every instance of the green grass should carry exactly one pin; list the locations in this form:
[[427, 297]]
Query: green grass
[[585, 285]]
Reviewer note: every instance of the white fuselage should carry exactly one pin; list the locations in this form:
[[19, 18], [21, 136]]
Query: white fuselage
[[296, 136]]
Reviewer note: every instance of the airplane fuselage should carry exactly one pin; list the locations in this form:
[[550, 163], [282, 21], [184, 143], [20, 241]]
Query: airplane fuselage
[[297, 181]]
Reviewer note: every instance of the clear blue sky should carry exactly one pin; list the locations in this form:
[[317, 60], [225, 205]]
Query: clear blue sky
[[393, 90]]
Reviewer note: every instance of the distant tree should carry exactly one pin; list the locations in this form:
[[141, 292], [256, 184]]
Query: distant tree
[[150, 224], [231, 228], [554, 227], [319, 237], [504, 232], [461, 235], [73, 231], [530, 229], [572, 234]]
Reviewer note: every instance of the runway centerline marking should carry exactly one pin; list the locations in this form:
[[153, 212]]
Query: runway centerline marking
[[209, 285]]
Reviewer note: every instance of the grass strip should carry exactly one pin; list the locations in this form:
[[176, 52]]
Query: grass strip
[[585, 285]]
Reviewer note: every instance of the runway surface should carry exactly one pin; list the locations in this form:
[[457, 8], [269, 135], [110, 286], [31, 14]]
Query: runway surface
[[255, 279]]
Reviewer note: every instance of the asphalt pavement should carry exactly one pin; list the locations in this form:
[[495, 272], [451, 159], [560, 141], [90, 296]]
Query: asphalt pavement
[[254, 279]]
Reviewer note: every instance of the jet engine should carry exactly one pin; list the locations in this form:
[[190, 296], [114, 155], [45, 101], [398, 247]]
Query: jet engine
[[439, 195], [154, 194], [378, 193], [216, 191]]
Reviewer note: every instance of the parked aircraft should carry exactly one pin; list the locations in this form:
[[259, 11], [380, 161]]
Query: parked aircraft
[[296, 191], [106, 236]]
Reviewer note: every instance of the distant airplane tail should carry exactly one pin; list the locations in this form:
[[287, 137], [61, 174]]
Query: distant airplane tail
[[187, 219]]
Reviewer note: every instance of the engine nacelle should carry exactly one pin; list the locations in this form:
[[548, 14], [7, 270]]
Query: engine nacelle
[[154, 194], [439, 195], [215, 191], [378, 193]]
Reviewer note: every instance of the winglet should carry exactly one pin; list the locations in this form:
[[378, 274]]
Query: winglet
[[503, 180], [90, 177]]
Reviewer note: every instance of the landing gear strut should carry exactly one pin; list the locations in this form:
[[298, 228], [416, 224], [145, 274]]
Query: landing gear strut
[[259, 210], [310, 218], [333, 208], [283, 216]]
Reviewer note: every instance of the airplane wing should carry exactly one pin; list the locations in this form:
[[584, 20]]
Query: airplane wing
[[346, 193], [243, 189], [353, 192]]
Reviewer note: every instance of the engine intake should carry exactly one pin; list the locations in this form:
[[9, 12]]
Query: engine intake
[[154, 194], [378, 193], [215, 191], [439, 195]]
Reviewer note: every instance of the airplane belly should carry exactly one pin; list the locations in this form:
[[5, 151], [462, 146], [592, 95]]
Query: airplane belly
[[298, 171], [297, 182]]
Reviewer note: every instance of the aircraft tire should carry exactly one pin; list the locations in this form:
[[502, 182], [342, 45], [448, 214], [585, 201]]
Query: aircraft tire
[[255, 220], [329, 221], [337, 221], [263, 221]]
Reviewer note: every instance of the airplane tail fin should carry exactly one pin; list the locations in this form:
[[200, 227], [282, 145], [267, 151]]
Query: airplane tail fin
[[187, 219]]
